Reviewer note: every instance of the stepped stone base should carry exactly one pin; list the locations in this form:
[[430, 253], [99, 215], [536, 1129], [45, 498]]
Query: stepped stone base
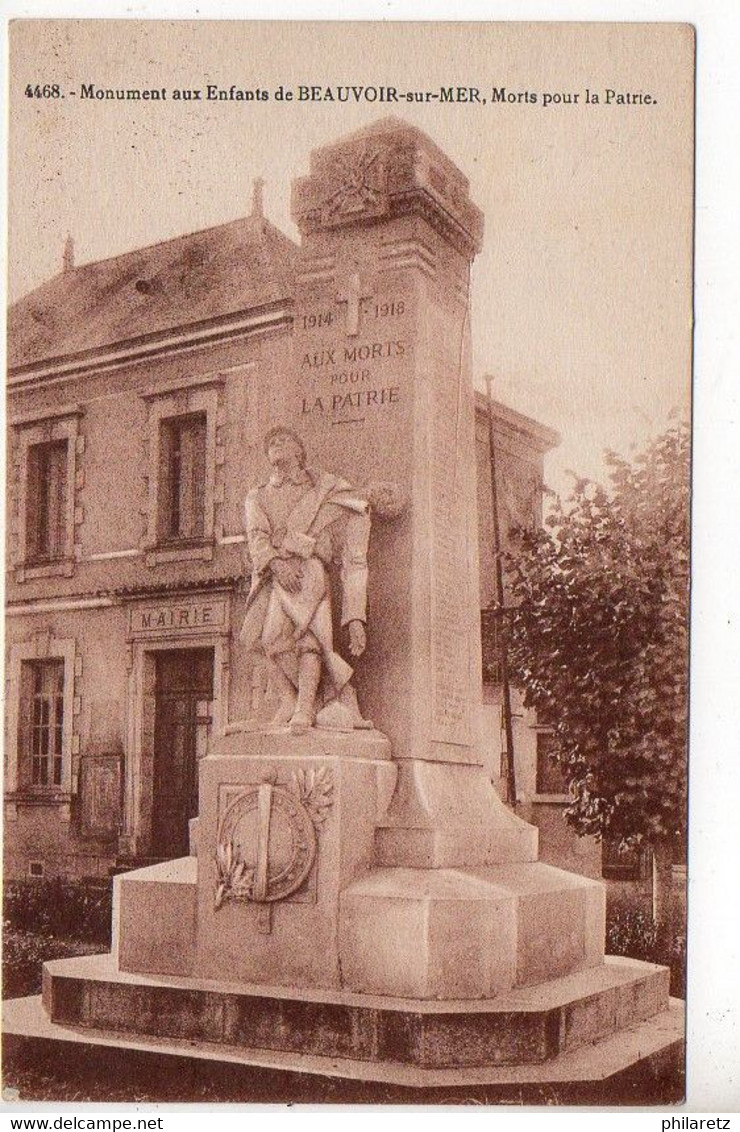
[[154, 918], [529, 1026], [417, 933], [467, 933], [642, 1054]]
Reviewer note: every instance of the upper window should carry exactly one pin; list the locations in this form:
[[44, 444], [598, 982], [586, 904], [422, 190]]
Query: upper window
[[182, 478], [42, 726], [46, 502], [550, 777], [48, 477], [184, 446]]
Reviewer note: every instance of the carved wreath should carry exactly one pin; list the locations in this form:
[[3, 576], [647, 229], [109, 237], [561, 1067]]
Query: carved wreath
[[314, 790]]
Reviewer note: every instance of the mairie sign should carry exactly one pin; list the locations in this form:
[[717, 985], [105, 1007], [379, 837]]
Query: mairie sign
[[192, 615]]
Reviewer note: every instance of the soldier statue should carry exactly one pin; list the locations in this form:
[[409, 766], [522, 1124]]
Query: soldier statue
[[297, 522]]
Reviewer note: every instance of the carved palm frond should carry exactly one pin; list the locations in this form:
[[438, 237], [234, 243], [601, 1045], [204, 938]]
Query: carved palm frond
[[315, 789]]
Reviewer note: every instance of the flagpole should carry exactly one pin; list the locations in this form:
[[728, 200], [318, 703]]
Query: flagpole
[[508, 753]]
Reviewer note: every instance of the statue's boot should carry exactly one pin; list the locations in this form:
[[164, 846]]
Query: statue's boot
[[348, 699], [309, 674], [287, 698]]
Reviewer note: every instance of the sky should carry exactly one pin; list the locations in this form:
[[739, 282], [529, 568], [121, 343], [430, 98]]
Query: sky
[[581, 297]]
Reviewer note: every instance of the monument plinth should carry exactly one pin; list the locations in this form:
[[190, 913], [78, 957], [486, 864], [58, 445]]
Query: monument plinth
[[359, 891]]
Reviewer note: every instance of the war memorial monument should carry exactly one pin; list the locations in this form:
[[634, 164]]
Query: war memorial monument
[[358, 902]]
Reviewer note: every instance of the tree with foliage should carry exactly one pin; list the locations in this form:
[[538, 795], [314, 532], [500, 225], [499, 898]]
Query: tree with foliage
[[598, 639]]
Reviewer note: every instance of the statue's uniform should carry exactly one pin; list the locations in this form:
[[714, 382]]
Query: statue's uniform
[[314, 518]]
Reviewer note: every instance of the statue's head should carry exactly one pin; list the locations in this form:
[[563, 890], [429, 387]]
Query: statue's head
[[281, 443]]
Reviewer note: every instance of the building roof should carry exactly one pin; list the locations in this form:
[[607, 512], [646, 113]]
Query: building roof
[[511, 421], [203, 275]]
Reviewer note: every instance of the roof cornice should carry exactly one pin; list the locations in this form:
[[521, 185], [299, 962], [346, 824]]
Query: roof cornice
[[48, 371], [514, 423]]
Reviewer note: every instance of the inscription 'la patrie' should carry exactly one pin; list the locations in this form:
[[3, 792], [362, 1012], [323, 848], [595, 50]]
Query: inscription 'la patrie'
[[356, 399]]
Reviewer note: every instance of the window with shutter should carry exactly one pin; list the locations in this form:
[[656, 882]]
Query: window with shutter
[[182, 477], [42, 691], [46, 502], [550, 777]]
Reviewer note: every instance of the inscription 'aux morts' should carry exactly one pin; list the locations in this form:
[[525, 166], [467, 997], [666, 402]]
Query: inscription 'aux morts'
[[348, 355]]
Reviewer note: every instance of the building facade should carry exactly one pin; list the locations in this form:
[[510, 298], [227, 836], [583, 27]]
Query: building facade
[[139, 390]]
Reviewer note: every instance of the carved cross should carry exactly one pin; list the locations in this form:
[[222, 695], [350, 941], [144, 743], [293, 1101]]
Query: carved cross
[[353, 295]]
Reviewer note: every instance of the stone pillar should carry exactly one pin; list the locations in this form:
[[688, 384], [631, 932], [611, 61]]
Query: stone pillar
[[382, 393]]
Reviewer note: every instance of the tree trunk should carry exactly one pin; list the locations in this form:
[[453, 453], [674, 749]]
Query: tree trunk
[[662, 884]]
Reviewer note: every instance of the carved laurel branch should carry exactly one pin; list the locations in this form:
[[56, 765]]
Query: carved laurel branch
[[315, 789], [234, 878]]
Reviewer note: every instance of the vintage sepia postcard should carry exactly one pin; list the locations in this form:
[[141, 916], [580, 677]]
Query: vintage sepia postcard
[[347, 562]]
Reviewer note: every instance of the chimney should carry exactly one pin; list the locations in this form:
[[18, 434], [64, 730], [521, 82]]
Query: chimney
[[68, 257]]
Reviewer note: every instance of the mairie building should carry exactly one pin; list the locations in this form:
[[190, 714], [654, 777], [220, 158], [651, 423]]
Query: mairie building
[[136, 400]]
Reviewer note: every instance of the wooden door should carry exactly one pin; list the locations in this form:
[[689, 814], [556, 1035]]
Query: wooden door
[[183, 711]]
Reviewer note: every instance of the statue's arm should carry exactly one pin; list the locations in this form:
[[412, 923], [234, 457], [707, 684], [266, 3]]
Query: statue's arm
[[354, 568], [259, 534], [265, 555]]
